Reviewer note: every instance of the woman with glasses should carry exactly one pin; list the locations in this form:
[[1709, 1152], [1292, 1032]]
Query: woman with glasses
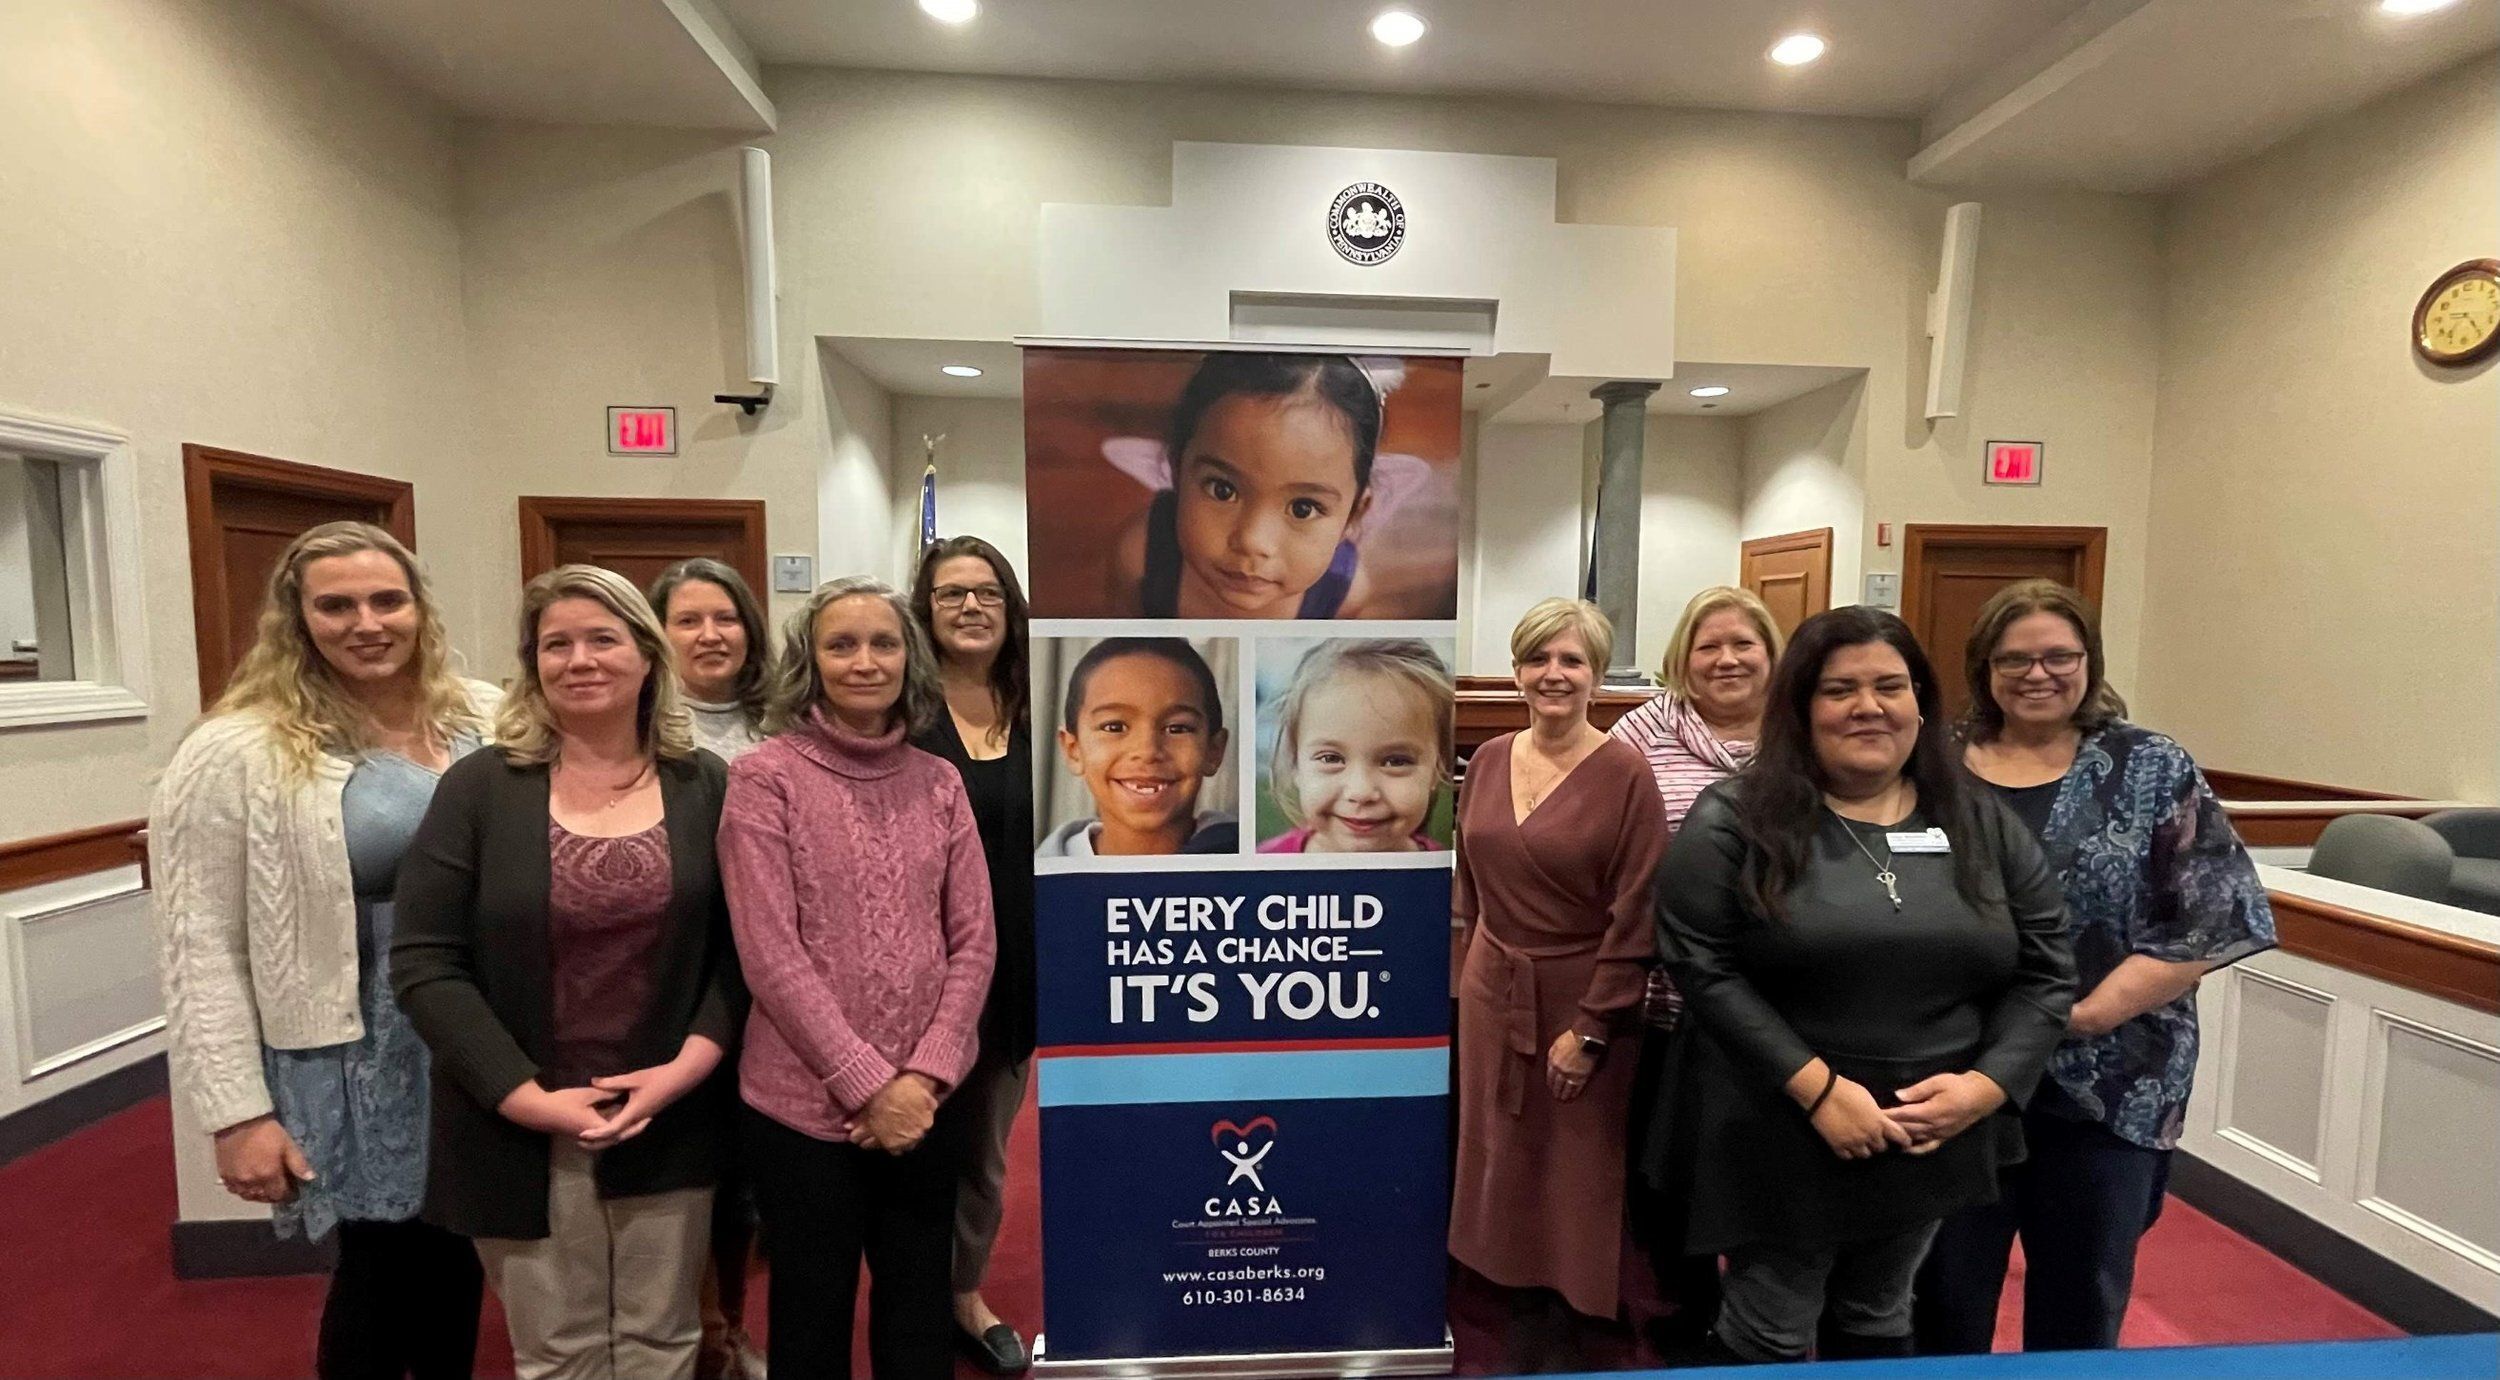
[[2159, 892], [967, 599]]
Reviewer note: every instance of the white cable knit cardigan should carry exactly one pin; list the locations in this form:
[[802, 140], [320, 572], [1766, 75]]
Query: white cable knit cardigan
[[255, 911]]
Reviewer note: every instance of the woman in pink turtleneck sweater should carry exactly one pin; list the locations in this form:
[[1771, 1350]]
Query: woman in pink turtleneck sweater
[[861, 906]]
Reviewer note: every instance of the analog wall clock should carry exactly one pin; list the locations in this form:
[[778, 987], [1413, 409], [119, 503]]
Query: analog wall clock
[[2457, 321]]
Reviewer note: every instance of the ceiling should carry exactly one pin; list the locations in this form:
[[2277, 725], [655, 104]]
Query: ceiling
[[910, 367], [1888, 57], [1751, 388], [2141, 95], [2118, 95], [673, 63], [1508, 388]]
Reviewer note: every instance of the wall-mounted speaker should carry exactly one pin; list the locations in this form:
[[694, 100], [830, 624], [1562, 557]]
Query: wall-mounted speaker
[[755, 184], [1948, 311]]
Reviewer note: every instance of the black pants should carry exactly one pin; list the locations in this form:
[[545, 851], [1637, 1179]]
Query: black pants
[[823, 1206], [2080, 1203], [403, 1302]]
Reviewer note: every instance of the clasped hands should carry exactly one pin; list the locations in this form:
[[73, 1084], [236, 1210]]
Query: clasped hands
[[898, 1116], [614, 1109], [1932, 1111]]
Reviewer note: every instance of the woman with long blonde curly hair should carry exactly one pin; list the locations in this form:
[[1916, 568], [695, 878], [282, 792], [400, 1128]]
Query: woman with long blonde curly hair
[[277, 832]]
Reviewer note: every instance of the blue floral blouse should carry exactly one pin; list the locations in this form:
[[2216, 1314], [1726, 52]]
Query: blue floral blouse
[[2151, 866]]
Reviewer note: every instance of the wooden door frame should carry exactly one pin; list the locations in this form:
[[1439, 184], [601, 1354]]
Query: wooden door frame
[[541, 514], [204, 466], [1807, 540], [1918, 539]]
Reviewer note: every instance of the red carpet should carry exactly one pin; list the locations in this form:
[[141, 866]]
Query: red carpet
[[87, 1286]]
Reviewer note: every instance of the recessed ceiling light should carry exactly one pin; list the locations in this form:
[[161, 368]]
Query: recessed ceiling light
[[1397, 28], [1796, 50], [959, 371], [1713, 391], [951, 11], [2406, 9]]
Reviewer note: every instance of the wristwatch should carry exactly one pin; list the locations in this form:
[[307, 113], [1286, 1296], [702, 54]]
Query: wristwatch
[[1593, 1047]]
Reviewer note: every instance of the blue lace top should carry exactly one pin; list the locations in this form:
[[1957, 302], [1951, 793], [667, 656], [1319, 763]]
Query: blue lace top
[[359, 1110], [2150, 866]]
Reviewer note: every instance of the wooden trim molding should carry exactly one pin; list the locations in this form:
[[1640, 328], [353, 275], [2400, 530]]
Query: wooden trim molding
[[204, 470], [1485, 713], [2302, 828], [2447, 966], [541, 515], [2249, 785], [74, 853]]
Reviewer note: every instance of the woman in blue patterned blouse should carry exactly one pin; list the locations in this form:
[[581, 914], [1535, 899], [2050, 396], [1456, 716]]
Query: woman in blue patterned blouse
[[2160, 892]]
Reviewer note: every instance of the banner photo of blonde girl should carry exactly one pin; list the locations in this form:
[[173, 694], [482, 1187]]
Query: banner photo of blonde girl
[[1355, 744], [1241, 485]]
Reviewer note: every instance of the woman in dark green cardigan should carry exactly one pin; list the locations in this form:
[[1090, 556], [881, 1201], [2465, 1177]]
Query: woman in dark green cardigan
[[563, 948]]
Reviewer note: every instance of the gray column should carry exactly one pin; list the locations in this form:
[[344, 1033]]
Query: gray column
[[1619, 519]]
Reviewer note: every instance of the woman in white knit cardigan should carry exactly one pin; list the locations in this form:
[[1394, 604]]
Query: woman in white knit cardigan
[[276, 833]]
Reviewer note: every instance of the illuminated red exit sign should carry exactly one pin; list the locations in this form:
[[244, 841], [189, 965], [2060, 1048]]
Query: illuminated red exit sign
[[2014, 462], [642, 431]]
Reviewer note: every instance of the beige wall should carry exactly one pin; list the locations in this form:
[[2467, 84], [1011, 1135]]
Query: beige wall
[[197, 250], [1803, 466], [1691, 489], [2324, 507], [907, 205], [602, 268], [980, 490]]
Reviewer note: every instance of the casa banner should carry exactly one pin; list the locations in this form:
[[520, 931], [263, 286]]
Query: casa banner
[[1244, 583]]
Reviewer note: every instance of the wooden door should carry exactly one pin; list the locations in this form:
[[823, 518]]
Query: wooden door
[[1791, 574], [1949, 571], [243, 510], [640, 537]]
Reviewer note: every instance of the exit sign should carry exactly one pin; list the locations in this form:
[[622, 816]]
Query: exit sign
[[2014, 462], [642, 431]]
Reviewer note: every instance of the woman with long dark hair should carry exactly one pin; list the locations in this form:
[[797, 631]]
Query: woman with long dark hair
[[1876, 960], [967, 598]]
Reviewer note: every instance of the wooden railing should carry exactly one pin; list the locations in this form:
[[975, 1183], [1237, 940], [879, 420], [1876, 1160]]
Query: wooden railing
[[2433, 962], [74, 853], [1490, 706]]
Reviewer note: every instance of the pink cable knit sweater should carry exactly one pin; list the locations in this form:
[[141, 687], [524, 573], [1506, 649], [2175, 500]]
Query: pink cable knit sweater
[[861, 906]]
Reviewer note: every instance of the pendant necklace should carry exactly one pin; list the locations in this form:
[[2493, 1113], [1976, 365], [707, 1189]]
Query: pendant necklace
[[1883, 869]]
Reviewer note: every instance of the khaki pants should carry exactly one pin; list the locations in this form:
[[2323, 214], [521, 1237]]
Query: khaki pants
[[988, 1101], [609, 1294]]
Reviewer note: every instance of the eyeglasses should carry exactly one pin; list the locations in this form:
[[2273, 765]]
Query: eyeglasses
[[2017, 664], [953, 596]]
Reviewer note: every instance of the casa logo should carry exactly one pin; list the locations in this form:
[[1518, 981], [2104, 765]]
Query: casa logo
[[1245, 1147], [1366, 224]]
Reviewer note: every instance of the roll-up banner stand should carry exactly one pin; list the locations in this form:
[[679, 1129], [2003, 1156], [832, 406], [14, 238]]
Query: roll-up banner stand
[[1244, 592]]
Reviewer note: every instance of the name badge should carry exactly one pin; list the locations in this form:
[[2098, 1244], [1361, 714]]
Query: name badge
[[1924, 841]]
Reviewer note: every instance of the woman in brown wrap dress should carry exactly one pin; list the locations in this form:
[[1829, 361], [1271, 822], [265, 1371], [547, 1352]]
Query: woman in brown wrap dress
[[1559, 830]]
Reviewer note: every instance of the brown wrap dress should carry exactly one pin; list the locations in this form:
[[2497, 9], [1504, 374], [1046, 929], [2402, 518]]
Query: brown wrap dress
[[1560, 905]]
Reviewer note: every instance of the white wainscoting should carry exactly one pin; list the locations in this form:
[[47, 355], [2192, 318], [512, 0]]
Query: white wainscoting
[[78, 984], [2371, 1108]]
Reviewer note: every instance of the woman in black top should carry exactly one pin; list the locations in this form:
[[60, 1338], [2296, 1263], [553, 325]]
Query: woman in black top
[[1875, 958], [967, 597], [563, 949]]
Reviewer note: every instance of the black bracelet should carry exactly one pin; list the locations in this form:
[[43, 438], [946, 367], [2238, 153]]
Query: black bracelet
[[1831, 1080]]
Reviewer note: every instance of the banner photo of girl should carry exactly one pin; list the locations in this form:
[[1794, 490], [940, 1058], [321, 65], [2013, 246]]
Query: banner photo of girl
[[1355, 744], [1138, 756], [1237, 484]]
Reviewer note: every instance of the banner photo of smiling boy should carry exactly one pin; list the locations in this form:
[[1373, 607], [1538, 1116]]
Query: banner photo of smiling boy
[[1244, 586]]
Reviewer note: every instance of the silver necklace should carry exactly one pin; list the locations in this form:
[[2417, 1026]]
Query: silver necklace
[[1883, 870]]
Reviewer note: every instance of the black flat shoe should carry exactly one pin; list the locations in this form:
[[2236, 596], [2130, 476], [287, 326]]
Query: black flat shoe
[[999, 1350]]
